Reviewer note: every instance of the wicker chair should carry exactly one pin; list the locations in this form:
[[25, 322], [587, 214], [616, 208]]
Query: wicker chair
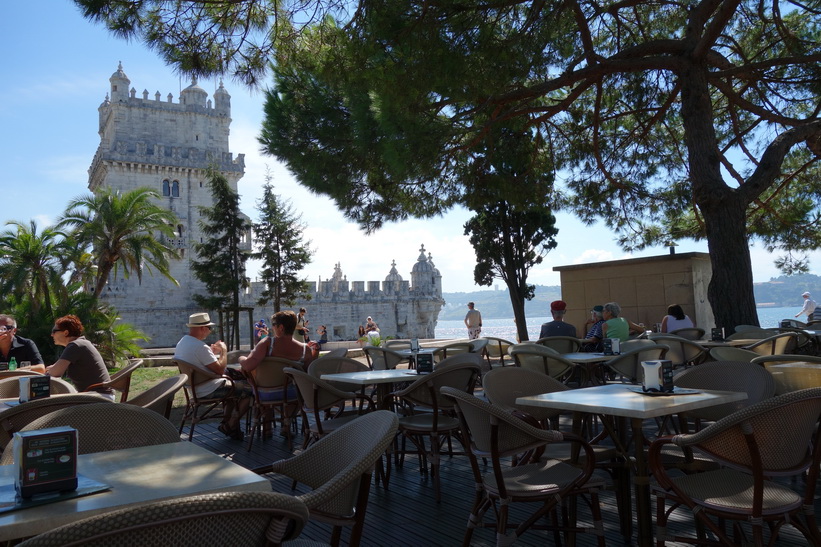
[[752, 333], [102, 427], [160, 396], [729, 353], [120, 381], [383, 358], [752, 379], [492, 433], [337, 468], [496, 351], [449, 350], [776, 437], [628, 365], [193, 403], [317, 396], [398, 344], [690, 333], [17, 417], [765, 360], [229, 518], [435, 421], [338, 352], [682, 352], [17, 373], [503, 386], [10, 387], [775, 345], [562, 344], [273, 393], [542, 359]]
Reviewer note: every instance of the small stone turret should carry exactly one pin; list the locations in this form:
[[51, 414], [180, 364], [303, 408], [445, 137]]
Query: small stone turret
[[119, 85], [193, 95], [222, 101]]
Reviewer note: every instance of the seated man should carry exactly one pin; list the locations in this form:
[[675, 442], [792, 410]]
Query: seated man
[[594, 336], [557, 327], [213, 358], [22, 349]]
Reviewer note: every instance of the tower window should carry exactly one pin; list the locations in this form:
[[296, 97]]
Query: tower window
[[175, 189], [166, 188]]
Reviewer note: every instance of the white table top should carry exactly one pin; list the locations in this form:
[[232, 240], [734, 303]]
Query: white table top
[[620, 400], [368, 377], [584, 357], [137, 476]]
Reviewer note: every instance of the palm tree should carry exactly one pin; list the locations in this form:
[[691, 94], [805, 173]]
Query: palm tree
[[30, 269], [122, 231]]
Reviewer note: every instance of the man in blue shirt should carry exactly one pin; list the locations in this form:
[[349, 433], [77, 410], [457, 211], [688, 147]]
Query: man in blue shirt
[[557, 327]]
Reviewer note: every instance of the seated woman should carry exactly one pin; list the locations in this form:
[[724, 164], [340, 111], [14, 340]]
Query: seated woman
[[80, 361], [675, 319], [615, 326], [281, 343]]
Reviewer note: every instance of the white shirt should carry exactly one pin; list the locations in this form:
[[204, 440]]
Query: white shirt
[[199, 354], [675, 324], [809, 307]]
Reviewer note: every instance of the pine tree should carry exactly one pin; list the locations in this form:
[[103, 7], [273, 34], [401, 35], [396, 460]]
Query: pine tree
[[223, 254], [278, 237]]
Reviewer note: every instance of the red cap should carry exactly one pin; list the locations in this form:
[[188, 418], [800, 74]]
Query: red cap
[[558, 305]]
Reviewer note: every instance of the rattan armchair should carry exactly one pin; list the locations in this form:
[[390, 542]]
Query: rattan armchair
[[104, 426], [776, 437], [775, 345], [496, 351], [337, 468], [10, 387], [160, 396], [729, 353], [690, 333], [17, 373], [543, 359], [120, 381], [449, 350], [273, 392], [383, 358], [317, 396], [562, 344], [492, 433], [428, 415], [193, 403], [682, 352], [17, 417], [230, 518], [628, 365]]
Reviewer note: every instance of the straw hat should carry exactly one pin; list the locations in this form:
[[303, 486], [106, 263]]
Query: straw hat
[[199, 320]]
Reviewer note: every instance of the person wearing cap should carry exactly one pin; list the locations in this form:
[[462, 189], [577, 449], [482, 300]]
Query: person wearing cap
[[214, 358], [260, 330], [594, 336], [557, 327], [473, 321], [809, 307]]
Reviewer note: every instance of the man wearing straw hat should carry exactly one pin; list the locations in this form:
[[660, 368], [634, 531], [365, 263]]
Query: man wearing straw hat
[[192, 349]]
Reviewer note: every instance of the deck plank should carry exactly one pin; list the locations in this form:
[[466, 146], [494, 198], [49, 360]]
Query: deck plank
[[407, 513]]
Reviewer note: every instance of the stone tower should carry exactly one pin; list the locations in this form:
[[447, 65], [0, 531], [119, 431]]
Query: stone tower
[[167, 146]]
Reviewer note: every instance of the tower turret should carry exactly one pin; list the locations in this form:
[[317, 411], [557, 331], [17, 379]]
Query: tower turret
[[119, 85], [193, 95], [222, 101]]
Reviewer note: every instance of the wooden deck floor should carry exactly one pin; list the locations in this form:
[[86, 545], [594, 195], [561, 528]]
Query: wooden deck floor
[[406, 514]]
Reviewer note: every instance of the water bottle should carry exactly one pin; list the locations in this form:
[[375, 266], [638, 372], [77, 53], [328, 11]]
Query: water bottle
[[12, 364]]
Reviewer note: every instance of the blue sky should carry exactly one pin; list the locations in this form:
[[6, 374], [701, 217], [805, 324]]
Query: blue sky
[[55, 75]]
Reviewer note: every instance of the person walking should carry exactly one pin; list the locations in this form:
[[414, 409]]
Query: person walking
[[809, 307], [473, 321]]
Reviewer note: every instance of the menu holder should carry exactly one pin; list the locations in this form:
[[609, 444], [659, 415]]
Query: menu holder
[[717, 334], [45, 461], [34, 387], [424, 363], [4, 366]]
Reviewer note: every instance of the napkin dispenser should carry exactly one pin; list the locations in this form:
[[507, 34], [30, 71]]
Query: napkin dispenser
[[611, 346], [717, 334], [658, 375], [424, 363], [45, 461]]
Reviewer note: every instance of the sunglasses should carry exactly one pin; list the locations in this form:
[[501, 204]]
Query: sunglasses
[[7, 328], [56, 329]]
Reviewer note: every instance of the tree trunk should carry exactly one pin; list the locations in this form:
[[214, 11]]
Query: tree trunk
[[517, 301], [730, 291]]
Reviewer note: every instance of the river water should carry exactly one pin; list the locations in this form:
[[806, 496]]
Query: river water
[[506, 328]]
